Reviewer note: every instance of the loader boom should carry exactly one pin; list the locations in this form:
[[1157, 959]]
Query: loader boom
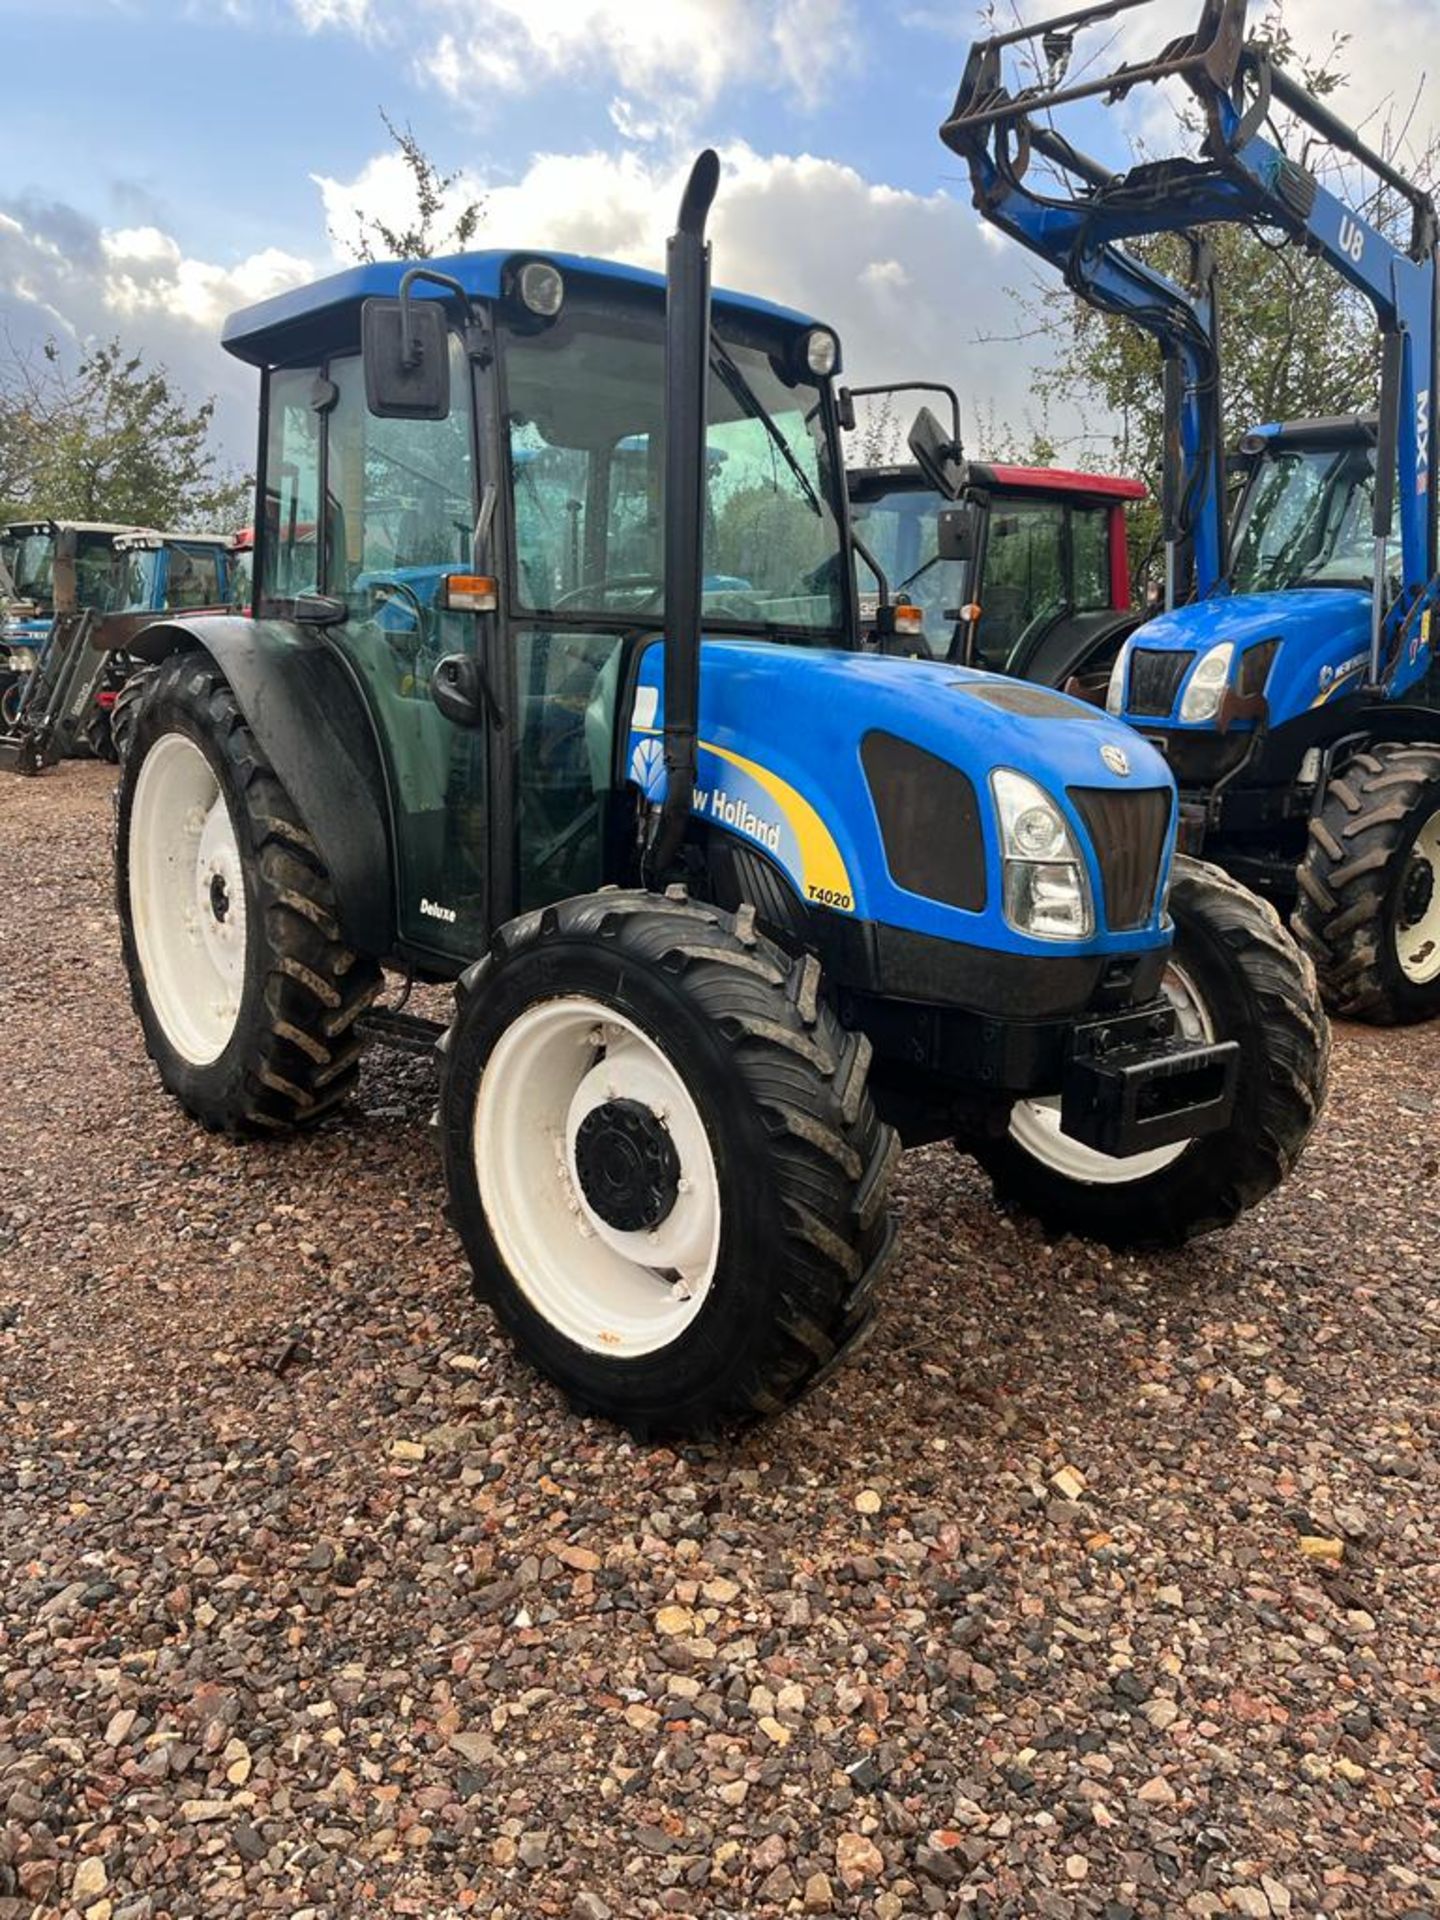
[[1242, 176]]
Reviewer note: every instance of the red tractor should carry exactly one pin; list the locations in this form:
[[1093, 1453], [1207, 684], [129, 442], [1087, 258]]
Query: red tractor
[[1042, 591]]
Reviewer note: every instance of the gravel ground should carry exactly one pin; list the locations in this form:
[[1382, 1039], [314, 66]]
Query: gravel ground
[[1095, 1586]]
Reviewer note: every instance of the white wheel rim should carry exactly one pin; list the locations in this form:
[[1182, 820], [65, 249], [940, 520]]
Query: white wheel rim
[[187, 899], [1417, 941], [1035, 1124], [621, 1293]]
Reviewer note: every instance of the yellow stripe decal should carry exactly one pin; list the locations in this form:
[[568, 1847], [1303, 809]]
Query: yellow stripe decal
[[824, 875], [825, 870]]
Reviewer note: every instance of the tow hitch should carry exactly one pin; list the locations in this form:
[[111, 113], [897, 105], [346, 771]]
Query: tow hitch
[[1133, 1083]]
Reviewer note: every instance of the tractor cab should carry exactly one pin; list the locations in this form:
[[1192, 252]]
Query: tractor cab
[[170, 573], [530, 494], [1046, 595]]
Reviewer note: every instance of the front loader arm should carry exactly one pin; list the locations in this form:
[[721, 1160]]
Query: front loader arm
[[1242, 177], [1075, 236]]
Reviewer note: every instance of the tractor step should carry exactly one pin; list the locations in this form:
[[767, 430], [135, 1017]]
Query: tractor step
[[405, 1032]]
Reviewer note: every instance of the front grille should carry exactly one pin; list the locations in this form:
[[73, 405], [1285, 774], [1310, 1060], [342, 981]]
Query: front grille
[[1155, 678], [1127, 831], [929, 821]]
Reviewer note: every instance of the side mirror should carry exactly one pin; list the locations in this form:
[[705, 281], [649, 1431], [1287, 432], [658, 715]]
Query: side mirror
[[957, 533], [406, 349], [457, 687], [936, 455]]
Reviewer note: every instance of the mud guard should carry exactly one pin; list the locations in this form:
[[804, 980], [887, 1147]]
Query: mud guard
[[309, 716]]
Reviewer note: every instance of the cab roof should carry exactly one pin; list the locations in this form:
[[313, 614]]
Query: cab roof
[[17, 529], [324, 316], [866, 482], [1343, 430]]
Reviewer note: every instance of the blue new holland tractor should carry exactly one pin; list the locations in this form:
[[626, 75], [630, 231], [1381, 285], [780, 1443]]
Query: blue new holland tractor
[[1291, 682], [553, 687]]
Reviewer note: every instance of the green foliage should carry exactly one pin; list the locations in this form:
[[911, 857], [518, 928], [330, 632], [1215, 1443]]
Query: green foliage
[[771, 536], [112, 440], [430, 230]]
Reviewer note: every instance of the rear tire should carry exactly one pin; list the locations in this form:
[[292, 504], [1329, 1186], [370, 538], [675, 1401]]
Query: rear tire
[[245, 989], [1369, 905], [127, 705], [735, 1254], [1235, 975]]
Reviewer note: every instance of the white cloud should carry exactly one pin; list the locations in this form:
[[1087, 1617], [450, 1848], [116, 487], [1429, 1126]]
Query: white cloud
[[1383, 62], [909, 280], [63, 276], [662, 51]]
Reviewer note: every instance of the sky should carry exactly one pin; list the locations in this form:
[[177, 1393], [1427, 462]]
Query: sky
[[161, 165]]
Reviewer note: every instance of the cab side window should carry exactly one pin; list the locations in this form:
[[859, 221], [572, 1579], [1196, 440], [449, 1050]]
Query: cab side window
[[292, 486]]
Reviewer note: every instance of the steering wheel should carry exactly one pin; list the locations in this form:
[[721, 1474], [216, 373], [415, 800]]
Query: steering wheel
[[402, 590], [621, 583], [1034, 625]]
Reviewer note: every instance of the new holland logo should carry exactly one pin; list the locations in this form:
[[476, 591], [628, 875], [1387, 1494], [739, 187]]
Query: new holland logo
[[1116, 759]]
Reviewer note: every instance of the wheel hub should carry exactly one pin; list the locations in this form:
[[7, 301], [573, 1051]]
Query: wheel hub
[[628, 1168], [187, 893], [1417, 893]]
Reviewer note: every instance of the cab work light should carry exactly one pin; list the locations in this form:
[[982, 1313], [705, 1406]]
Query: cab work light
[[542, 288], [469, 593]]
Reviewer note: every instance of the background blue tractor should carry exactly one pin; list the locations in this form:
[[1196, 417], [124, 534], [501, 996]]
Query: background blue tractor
[[1295, 695], [63, 661], [52, 567], [727, 919]]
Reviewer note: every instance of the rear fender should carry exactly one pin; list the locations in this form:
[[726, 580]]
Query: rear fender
[[1072, 644], [302, 704]]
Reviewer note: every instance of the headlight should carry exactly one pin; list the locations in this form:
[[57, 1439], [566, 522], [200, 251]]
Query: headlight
[[822, 352], [1115, 692], [542, 288], [1208, 683], [1047, 890]]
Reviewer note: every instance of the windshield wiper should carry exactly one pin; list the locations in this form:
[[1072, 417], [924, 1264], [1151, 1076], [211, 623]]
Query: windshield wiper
[[923, 568], [744, 395]]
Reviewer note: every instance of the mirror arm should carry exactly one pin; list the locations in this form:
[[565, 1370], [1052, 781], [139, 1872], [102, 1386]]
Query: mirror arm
[[411, 355]]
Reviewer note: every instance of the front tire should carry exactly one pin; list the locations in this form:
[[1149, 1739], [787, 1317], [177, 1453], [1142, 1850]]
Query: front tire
[[1369, 905], [663, 1161], [1234, 975], [245, 988], [96, 736]]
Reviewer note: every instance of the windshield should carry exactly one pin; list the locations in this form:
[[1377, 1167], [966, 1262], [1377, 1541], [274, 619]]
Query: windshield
[[1042, 558], [1305, 521], [584, 400], [97, 580], [29, 559], [900, 528]]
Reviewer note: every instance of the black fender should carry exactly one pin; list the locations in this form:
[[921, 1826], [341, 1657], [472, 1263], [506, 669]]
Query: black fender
[[1070, 644], [301, 701], [1360, 720]]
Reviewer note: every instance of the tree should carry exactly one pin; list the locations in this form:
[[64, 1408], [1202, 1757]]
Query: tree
[[110, 440], [432, 228], [878, 434]]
